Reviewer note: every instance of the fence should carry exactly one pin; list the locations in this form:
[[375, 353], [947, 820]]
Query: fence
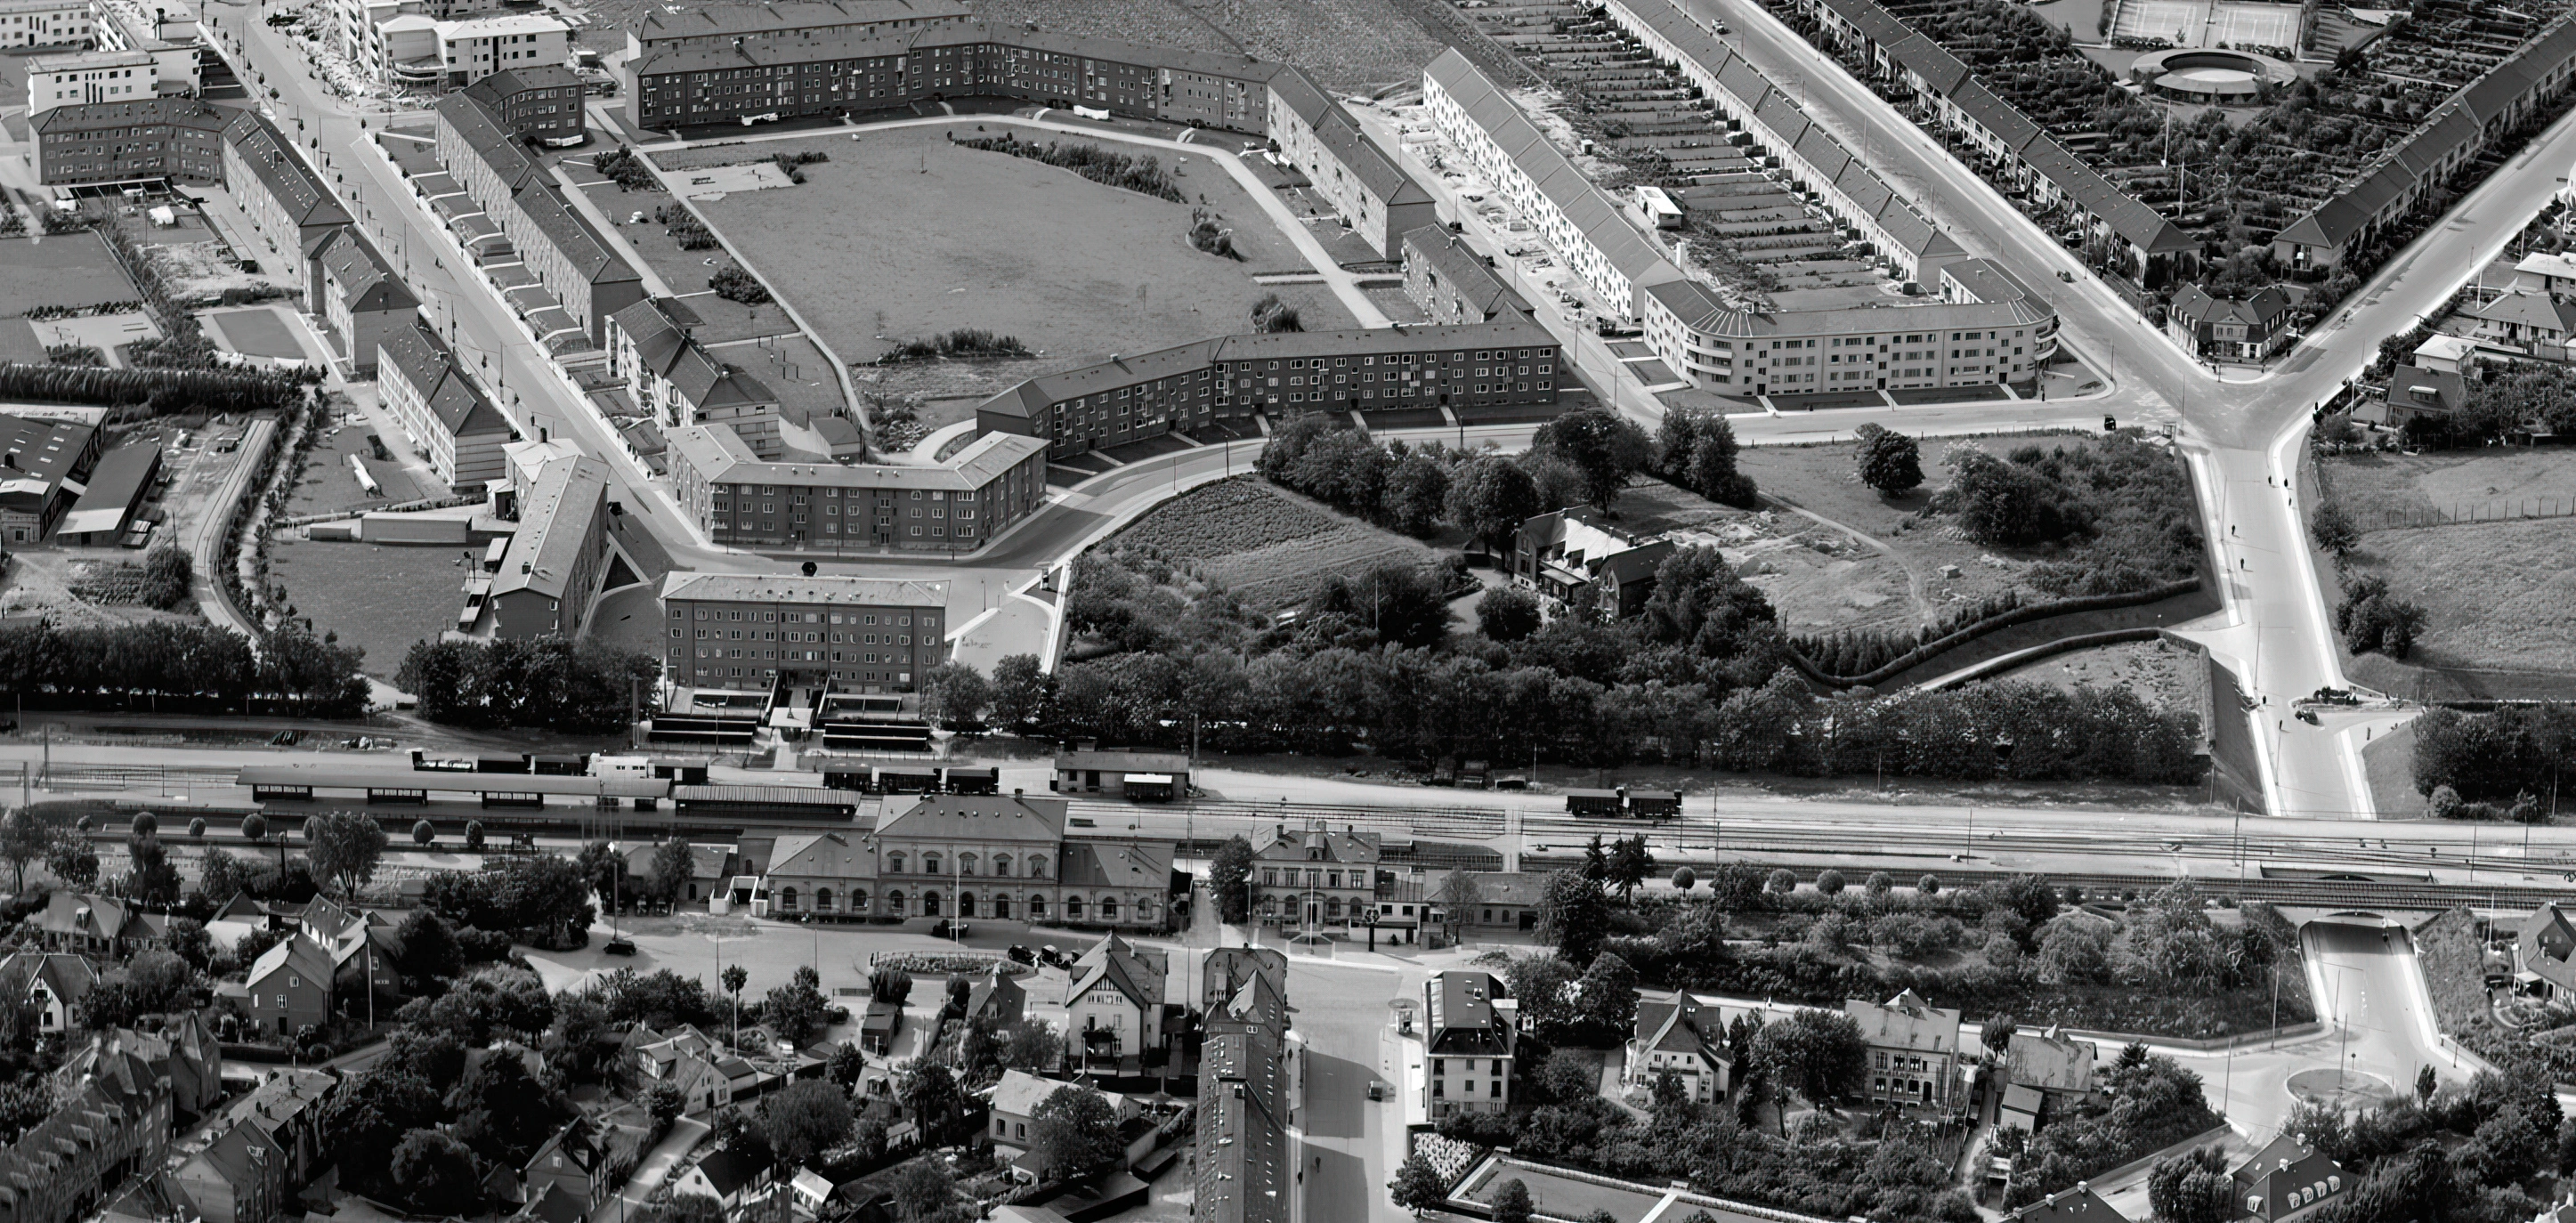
[[2468, 512]]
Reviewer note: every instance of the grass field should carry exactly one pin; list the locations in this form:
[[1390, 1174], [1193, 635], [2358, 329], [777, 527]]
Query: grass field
[[2392, 491], [962, 238], [71, 270], [2389, 760], [376, 597], [2496, 596], [2161, 672], [1564, 1197], [1264, 543]]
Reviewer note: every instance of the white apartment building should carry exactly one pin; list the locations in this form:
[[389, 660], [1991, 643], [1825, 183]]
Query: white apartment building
[[82, 77], [171, 39], [419, 43], [46, 23]]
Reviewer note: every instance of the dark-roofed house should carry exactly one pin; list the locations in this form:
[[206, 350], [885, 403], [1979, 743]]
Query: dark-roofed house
[[287, 1106], [2544, 951], [180, 139], [2536, 323], [1228, 969], [1571, 554], [42, 465], [111, 1118], [723, 1176], [997, 997], [1114, 1002], [115, 491], [2415, 392], [2077, 1205], [540, 103], [1470, 1032], [51, 982], [1373, 194], [574, 1160], [289, 987], [1913, 1048], [450, 420], [2249, 328], [2286, 1180], [240, 1177], [1313, 877], [570, 259], [289, 208], [1506, 900], [93, 925], [552, 567], [1251, 1087], [358, 295], [1683, 1035], [1452, 283]]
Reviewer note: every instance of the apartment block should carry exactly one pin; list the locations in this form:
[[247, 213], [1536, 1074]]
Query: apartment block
[[450, 420], [1452, 282], [287, 205], [1470, 1034], [358, 297], [723, 25], [46, 23], [551, 568], [177, 140], [797, 73], [1363, 183], [740, 500], [78, 78], [651, 345], [541, 103], [570, 259], [1466, 368], [738, 630]]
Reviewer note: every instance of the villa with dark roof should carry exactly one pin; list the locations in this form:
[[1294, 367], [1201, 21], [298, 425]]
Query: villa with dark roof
[[1114, 1002], [1564, 555], [1683, 1035], [1470, 1032]]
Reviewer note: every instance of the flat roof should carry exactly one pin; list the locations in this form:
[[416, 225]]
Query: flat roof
[[789, 588], [361, 777]]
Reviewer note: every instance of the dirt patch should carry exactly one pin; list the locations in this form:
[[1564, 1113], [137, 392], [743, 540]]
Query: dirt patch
[[2388, 759], [330, 484], [40, 583], [2163, 673]]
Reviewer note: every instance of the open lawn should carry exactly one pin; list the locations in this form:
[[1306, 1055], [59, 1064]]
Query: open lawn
[[376, 597], [1266, 544], [2395, 491], [69, 270], [2497, 596], [1564, 1197], [2389, 760], [960, 238]]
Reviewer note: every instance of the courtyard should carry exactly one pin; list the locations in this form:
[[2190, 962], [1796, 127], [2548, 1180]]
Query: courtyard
[[959, 238]]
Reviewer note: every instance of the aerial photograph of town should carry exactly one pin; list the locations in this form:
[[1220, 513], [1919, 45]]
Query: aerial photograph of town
[[1287, 611]]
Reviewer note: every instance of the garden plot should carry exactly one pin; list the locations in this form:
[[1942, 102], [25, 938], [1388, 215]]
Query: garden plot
[[1267, 545]]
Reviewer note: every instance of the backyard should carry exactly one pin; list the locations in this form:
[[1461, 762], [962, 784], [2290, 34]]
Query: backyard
[[960, 238], [1262, 543], [2498, 591]]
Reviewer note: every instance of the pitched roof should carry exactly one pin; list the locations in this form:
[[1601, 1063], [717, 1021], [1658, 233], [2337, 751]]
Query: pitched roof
[[2052, 1061], [1454, 264], [1138, 973], [977, 816], [721, 457], [660, 328], [2536, 310], [753, 20], [1906, 1021], [282, 171], [1242, 1171], [828, 854], [298, 953], [455, 400], [1280, 843], [1681, 1023], [367, 283], [2077, 1205], [1019, 1093], [1116, 864], [498, 88], [555, 520], [534, 190], [1463, 1020]]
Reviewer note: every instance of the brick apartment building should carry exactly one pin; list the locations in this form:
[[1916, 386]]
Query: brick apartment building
[[180, 140], [741, 500], [741, 630]]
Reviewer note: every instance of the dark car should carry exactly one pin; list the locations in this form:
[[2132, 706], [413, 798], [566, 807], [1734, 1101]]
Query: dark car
[[951, 929], [837, 1013], [1023, 954], [618, 946]]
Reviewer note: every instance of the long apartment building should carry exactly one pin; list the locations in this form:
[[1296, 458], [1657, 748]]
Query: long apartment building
[[1373, 195], [750, 630], [1452, 282], [552, 567], [741, 500], [451, 421], [86, 78], [1466, 368], [46, 23], [287, 205], [795, 73], [723, 25], [570, 259], [1719, 346], [179, 140]]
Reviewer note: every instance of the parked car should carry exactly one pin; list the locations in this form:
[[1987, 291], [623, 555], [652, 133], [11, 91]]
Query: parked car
[[951, 929], [1050, 957], [1023, 954], [2068, 277], [618, 946], [837, 1013]]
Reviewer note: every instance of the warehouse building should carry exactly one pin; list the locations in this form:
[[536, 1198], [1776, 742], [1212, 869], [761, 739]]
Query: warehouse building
[[114, 494]]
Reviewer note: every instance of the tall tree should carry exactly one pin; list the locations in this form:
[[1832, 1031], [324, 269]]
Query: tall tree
[[1573, 915], [1230, 878], [1418, 1186], [803, 1120], [1075, 1132], [1490, 498], [1631, 861], [1458, 897], [1818, 1054], [1512, 1202], [1886, 460], [674, 865], [23, 839], [344, 847], [1601, 445]]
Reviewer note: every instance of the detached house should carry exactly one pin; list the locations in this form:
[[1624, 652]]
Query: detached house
[[53, 982], [2539, 324], [2285, 1180], [573, 1161], [1913, 1048], [1015, 1102], [2543, 949], [100, 926], [1116, 999], [686, 1059], [2230, 329], [289, 987], [1470, 1033], [1564, 553], [1682, 1035]]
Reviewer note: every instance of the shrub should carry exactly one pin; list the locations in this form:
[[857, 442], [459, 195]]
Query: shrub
[[1780, 882], [1879, 884], [74, 354], [2333, 529], [737, 285], [1127, 172], [1887, 460], [1830, 882], [1684, 878], [2370, 618], [1272, 315], [1207, 235], [685, 228], [961, 344], [1929, 885], [622, 166]]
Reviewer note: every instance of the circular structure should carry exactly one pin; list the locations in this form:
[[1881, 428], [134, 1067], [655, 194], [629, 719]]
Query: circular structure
[[2350, 1089], [2222, 78]]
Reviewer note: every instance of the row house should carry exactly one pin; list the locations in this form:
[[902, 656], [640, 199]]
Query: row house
[[359, 299], [288, 207], [112, 1119], [2247, 329], [1452, 283], [723, 25], [441, 408], [572, 262], [1251, 1109]]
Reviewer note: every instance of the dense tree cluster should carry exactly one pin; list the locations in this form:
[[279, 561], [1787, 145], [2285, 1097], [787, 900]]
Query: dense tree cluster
[[1696, 450], [174, 666], [2498, 756], [547, 683], [545, 898], [2141, 1104], [2502, 402], [2370, 618], [2120, 513]]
